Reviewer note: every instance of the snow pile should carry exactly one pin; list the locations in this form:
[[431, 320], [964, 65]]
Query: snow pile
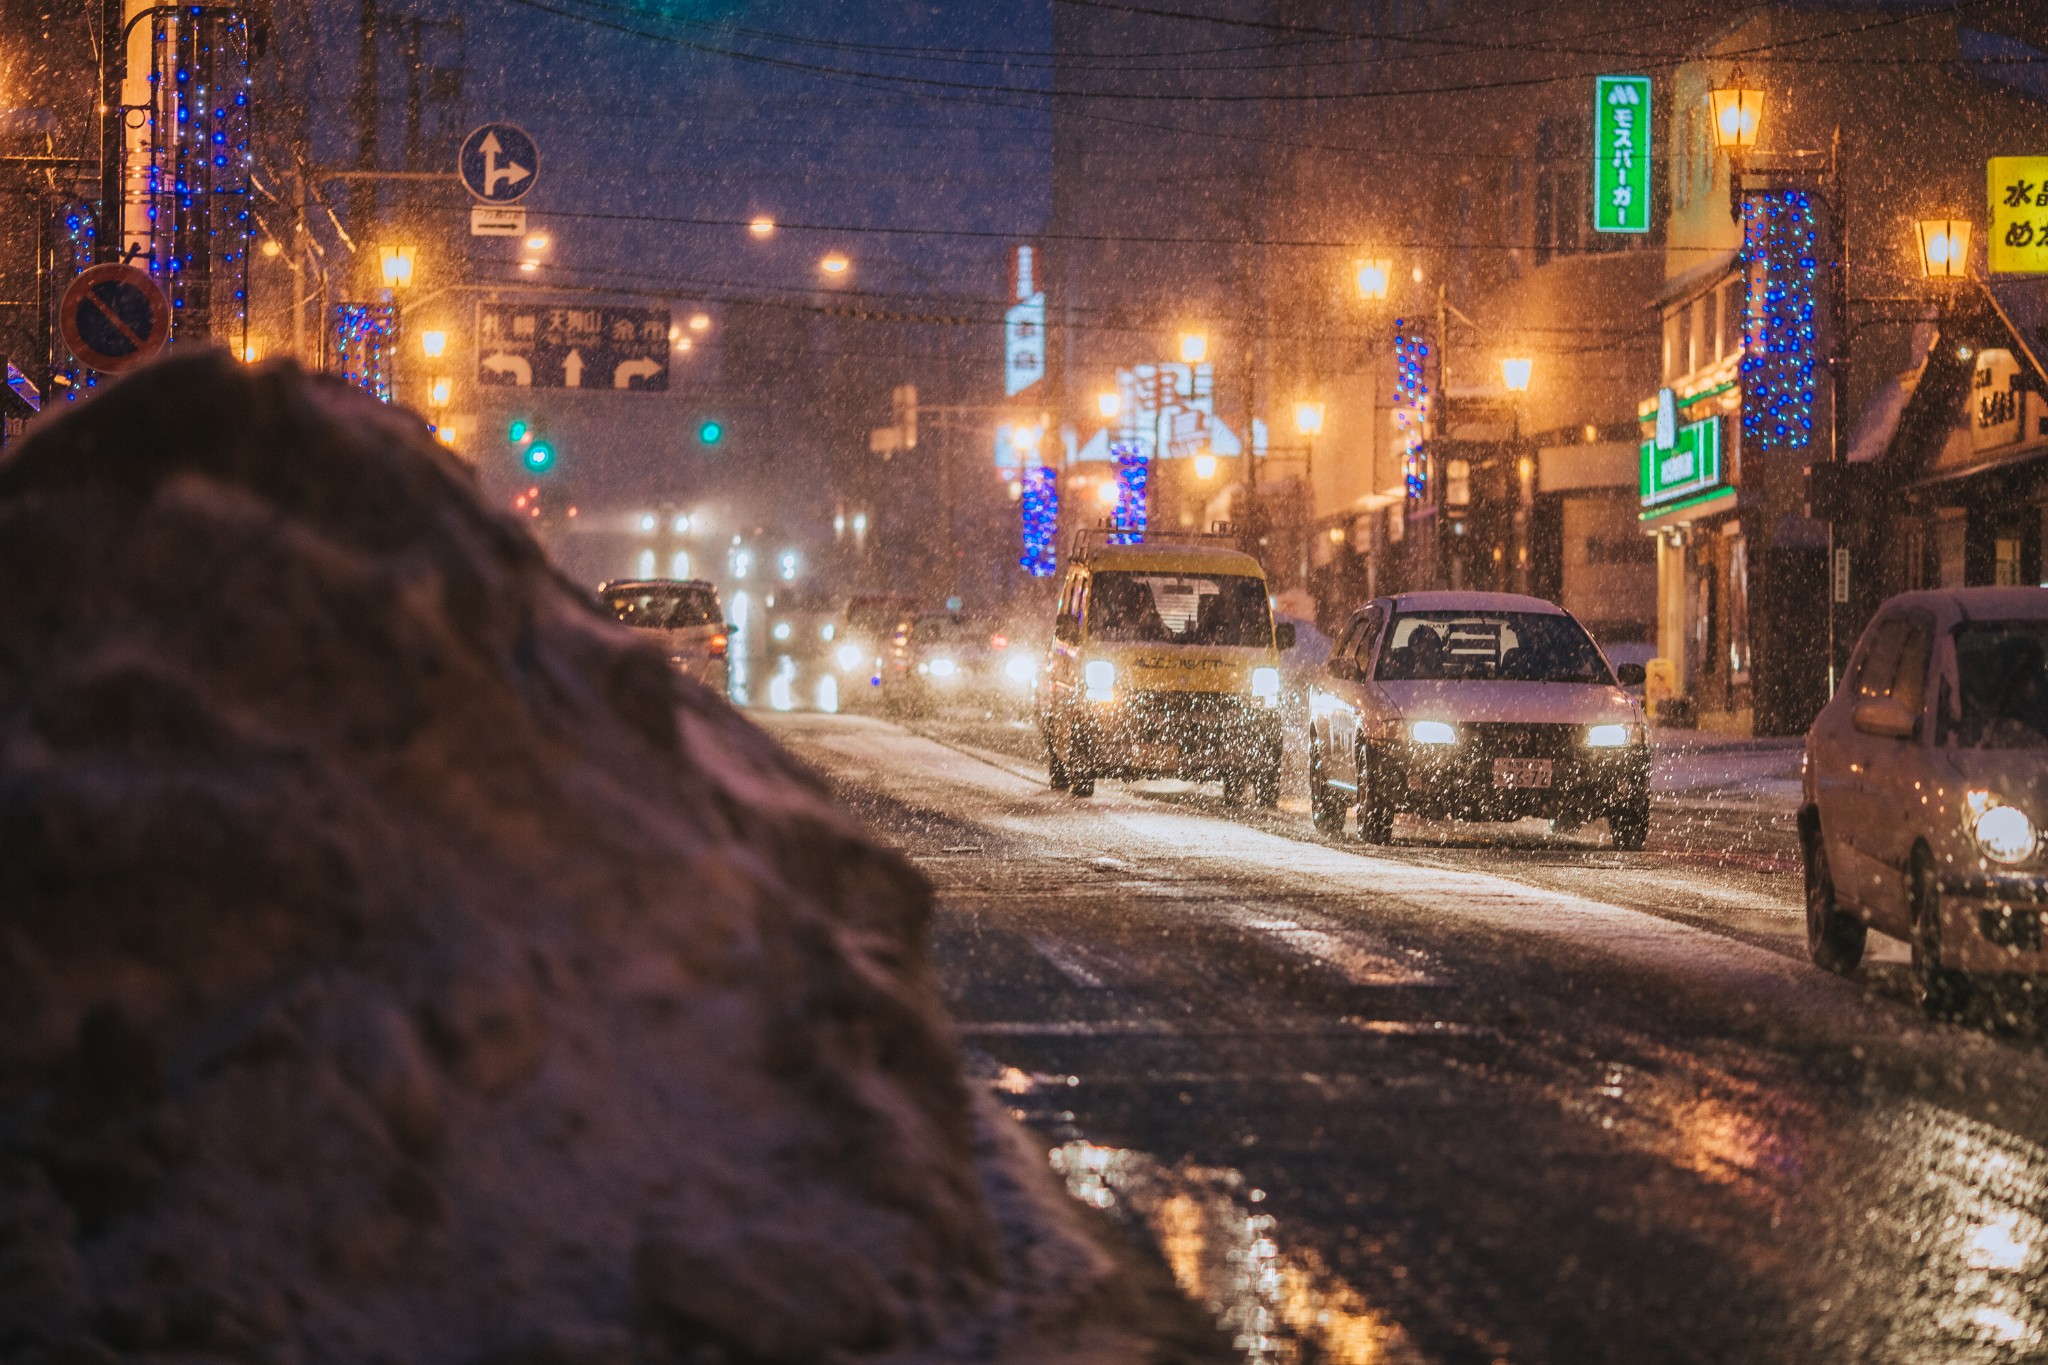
[[398, 962]]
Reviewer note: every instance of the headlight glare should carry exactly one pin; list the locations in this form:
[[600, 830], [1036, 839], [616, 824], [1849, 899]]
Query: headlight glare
[[2005, 834], [943, 668], [1607, 737], [1432, 732], [1266, 685], [1100, 676], [848, 657], [1020, 669]]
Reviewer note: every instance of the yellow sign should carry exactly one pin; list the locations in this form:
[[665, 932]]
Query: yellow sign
[[2019, 215]]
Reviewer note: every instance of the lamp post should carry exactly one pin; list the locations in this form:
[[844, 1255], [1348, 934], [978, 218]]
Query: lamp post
[[1944, 248], [1515, 374]]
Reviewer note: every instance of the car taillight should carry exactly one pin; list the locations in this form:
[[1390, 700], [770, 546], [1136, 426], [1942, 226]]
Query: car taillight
[[998, 642], [718, 646]]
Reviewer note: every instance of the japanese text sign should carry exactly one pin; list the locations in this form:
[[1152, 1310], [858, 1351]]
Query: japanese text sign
[[1689, 467], [1621, 154], [530, 345], [2019, 215]]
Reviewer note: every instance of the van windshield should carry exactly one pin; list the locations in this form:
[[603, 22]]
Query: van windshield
[[1504, 646], [1176, 609], [665, 608], [2002, 673]]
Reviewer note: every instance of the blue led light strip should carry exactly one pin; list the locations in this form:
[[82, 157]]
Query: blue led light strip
[[1133, 481], [1040, 510], [1779, 238]]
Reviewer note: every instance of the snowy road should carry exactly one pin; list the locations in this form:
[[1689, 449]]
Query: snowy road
[[1457, 1100]]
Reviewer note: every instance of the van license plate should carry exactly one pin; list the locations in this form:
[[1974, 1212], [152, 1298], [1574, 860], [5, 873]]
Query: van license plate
[[1521, 772]]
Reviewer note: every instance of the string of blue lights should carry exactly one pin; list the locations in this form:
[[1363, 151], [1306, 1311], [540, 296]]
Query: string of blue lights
[[1779, 235]]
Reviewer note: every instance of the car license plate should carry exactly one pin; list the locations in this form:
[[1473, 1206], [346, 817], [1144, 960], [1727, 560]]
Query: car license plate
[[1165, 757], [1521, 772]]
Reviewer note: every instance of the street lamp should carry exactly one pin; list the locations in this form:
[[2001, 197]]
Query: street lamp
[[1205, 466], [834, 263], [1109, 404], [1944, 247], [699, 321], [397, 263], [1308, 418], [1738, 111], [1373, 278], [1194, 347], [763, 226], [433, 343], [437, 391], [1515, 372]]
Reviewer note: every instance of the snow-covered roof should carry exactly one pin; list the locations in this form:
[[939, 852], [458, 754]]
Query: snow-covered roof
[[1475, 601]]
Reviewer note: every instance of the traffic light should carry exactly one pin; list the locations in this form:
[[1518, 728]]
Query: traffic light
[[519, 433], [540, 457], [711, 432]]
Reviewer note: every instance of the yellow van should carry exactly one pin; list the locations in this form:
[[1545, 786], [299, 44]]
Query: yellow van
[[1164, 662]]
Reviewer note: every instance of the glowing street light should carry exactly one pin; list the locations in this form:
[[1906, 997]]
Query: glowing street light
[[1108, 404], [1373, 279], [1944, 247], [433, 343], [1108, 492], [1308, 418], [437, 391], [537, 242], [762, 227], [834, 263], [699, 321], [1205, 466], [1194, 347], [1515, 372], [1738, 112], [271, 248], [397, 263]]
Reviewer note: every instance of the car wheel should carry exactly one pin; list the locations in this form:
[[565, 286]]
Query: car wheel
[[1055, 771], [1080, 769], [1629, 823], [1375, 807], [1834, 940], [1942, 991], [1266, 787], [1233, 787], [1325, 804]]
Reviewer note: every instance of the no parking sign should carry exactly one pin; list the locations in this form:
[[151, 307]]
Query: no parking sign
[[114, 317]]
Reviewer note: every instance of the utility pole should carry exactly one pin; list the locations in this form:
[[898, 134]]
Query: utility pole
[[362, 191]]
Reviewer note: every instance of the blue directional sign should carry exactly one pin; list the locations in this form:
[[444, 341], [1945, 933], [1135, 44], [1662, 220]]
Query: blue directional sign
[[499, 163], [114, 317]]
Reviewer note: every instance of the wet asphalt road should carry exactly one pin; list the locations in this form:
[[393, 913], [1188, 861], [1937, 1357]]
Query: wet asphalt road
[[1471, 1099]]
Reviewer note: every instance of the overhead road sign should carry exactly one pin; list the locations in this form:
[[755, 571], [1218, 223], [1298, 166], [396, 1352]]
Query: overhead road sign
[[1621, 154], [499, 163], [114, 317], [544, 346]]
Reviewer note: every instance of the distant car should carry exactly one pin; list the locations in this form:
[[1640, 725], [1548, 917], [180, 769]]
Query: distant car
[[685, 614], [1475, 706], [1926, 789], [875, 625]]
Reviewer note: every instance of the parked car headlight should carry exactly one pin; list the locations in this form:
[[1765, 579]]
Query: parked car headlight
[[1100, 676], [1266, 685], [944, 668], [1432, 732], [1020, 669], [1609, 736], [2004, 833], [848, 657], [827, 631]]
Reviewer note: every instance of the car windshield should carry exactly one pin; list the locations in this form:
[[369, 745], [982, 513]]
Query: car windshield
[[2002, 677], [1505, 646], [664, 608], [1176, 609]]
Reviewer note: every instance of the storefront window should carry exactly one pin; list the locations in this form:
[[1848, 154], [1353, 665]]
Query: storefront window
[[1950, 533]]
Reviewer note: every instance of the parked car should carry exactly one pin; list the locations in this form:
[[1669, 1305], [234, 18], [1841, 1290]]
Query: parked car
[[685, 615], [1925, 791], [1475, 706], [876, 626]]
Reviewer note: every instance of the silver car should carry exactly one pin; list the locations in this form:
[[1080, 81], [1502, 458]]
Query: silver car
[[685, 614], [1476, 706], [1926, 785]]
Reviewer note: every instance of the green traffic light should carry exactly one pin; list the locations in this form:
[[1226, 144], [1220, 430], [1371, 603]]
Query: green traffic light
[[517, 433], [540, 456], [711, 433]]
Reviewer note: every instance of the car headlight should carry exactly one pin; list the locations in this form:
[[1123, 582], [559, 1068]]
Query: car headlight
[[848, 657], [827, 631], [1432, 732], [781, 631], [1100, 677], [1020, 669], [943, 668], [1609, 736], [2003, 832], [1266, 685]]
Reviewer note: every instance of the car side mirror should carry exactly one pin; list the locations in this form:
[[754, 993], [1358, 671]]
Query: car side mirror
[[1631, 675], [732, 627], [1886, 717], [1283, 635]]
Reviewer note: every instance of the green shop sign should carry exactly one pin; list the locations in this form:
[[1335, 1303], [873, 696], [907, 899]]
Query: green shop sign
[[1621, 154], [1688, 467]]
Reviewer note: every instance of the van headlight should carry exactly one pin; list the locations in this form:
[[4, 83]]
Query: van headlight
[[1432, 732], [1019, 668], [943, 668], [848, 656], [1610, 736], [1100, 677], [2003, 833], [1266, 685]]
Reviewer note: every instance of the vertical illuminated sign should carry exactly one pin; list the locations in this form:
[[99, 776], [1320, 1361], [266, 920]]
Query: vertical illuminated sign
[[1023, 327], [1621, 154]]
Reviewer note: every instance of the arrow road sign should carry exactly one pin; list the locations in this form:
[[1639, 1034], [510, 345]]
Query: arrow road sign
[[549, 347], [498, 163], [114, 317]]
